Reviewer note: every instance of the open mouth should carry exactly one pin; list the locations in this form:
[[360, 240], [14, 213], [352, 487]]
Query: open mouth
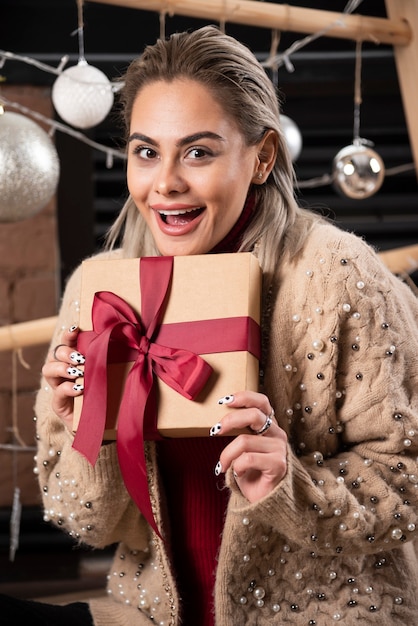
[[180, 217]]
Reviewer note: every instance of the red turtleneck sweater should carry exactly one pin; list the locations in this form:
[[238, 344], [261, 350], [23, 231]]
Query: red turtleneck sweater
[[196, 498], [196, 501]]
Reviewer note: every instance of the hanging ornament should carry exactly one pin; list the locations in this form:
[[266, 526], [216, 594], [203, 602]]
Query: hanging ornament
[[29, 167], [358, 171], [82, 95], [292, 136]]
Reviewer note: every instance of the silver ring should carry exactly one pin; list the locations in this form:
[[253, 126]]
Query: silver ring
[[266, 425], [54, 351]]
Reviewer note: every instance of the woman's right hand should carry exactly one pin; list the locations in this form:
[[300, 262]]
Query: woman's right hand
[[61, 370]]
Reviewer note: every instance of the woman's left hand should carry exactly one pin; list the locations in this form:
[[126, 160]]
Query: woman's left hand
[[258, 459]]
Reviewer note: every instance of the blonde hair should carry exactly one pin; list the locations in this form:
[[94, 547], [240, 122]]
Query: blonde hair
[[239, 83]]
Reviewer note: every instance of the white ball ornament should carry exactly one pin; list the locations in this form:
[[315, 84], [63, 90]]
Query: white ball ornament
[[292, 136], [82, 95], [358, 171], [29, 167]]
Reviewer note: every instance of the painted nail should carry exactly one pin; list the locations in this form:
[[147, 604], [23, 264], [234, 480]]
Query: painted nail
[[76, 357], [73, 328], [74, 371], [218, 468], [226, 400], [215, 429], [78, 387]]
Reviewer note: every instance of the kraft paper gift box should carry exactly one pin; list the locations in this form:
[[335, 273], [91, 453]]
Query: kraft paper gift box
[[203, 288]]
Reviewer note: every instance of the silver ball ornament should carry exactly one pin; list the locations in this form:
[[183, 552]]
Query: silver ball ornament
[[292, 136], [29, 167], [82, 95], [358, 171]]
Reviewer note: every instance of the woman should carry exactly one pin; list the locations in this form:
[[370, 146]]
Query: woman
[[318, 521]]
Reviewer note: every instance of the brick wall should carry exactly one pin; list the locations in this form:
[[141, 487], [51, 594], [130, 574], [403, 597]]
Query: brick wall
[[28, 290]]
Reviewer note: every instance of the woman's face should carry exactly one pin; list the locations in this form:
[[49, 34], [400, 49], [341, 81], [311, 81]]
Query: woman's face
[[189, 169]]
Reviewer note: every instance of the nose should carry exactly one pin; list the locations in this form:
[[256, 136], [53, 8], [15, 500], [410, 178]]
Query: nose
[[169, 178]]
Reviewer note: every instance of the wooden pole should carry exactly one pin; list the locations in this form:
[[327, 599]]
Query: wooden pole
[[282, 17], [406, 58], [401, 260], [25, 334]]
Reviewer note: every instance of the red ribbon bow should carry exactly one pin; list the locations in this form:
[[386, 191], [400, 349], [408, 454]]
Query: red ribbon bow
[[116, 324]]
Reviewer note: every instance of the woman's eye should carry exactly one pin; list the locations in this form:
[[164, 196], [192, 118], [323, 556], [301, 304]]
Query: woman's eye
[[197, 153], [144, 152]]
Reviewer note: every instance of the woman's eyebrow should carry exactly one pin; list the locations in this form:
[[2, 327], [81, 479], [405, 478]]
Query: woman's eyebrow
[[140, 137], [207, 134]]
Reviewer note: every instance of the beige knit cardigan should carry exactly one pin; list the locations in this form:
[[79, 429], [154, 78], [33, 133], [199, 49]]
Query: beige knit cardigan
[[334, 542]]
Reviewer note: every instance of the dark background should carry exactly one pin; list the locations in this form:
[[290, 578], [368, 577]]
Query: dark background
[[318, 96]]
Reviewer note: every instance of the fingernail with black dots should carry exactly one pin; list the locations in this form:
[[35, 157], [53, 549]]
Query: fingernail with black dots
[[78, 387], [73, 328], [74, 371], [226, 399], [218, 468], [215, 430], [78, 358]]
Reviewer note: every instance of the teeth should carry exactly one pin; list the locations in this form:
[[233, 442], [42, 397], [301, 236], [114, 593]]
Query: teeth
[[179, 212]]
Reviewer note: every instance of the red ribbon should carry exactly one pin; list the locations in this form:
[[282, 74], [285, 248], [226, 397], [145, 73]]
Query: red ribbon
[[118, 335], [114, 320]]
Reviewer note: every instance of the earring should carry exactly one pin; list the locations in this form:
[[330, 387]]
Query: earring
[[260, 175]]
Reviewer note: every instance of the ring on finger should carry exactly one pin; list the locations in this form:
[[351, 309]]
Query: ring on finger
[[54, 351], [266, 425]]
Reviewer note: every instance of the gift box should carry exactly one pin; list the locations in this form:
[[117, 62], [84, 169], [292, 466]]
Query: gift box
[[209, 299], [164, 339]]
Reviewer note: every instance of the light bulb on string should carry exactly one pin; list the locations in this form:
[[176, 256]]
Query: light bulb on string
[[358, 171], [82, 94], [29, 167]]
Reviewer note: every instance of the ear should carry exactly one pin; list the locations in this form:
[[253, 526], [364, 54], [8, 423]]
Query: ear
[[267, 154]]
